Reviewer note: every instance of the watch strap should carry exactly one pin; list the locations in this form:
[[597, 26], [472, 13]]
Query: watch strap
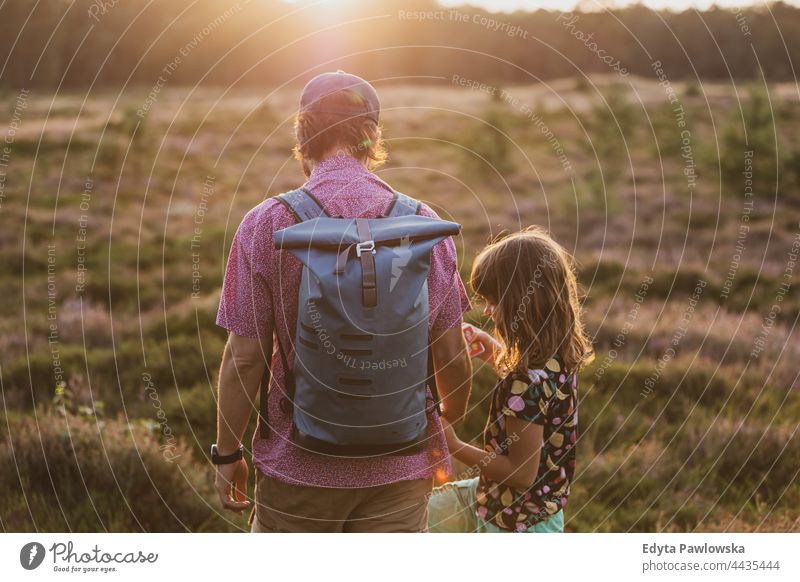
[[218, 459]]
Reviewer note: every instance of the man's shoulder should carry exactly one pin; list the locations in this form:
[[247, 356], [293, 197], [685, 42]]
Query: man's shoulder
[[270, 215], [426, 210], [267, 215]]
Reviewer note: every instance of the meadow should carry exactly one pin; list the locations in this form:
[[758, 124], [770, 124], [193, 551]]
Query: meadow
[[680, 201]]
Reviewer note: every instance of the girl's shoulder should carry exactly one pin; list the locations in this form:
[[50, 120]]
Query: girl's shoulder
[[542, 393], [553, 371]]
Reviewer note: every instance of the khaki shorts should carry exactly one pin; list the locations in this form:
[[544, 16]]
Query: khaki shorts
[[396, 507]]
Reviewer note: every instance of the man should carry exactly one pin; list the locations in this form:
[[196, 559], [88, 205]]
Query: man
[[338, 138]]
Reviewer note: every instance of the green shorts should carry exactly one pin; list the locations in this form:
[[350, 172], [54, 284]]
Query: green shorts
[[451, 509]]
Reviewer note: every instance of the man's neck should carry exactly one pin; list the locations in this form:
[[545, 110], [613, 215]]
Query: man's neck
[[308, 165]]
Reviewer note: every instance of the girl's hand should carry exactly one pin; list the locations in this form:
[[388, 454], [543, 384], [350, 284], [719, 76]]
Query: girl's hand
[[450, 436], [480, 343]]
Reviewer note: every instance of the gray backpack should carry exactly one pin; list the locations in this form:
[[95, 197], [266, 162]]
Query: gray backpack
[[362, 357]]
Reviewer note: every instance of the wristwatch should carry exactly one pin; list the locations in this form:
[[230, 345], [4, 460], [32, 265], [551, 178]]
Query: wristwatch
[[218, 459]]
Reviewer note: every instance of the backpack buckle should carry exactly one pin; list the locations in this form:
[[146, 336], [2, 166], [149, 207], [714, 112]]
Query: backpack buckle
[[368, 246]]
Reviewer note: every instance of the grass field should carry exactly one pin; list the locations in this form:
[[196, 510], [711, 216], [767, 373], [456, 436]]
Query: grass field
[[684, 217]]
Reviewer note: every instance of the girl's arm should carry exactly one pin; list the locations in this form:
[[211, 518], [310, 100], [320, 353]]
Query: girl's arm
[[518, 469]]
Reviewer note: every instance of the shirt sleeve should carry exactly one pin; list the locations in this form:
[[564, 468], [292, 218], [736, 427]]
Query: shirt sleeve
[[447, 295], [245, 304], [527, 399]]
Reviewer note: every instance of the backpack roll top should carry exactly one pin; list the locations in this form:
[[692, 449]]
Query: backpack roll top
[[361, 344], [337, 233], [387, 252]]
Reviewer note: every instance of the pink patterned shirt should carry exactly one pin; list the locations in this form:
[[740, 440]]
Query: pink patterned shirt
[[259, 297]]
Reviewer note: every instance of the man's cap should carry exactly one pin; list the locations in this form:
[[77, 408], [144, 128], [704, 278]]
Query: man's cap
[[362, 99]]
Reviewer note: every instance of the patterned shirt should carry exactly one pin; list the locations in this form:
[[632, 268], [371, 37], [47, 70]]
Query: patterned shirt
[[259, 297], [546, 396]]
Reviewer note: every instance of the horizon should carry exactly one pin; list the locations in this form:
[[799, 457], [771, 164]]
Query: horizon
[[506, 6], [672, 5]]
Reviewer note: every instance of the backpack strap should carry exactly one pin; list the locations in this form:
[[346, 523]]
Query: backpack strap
[[302, 204], [369, 288], [263, 400], [402, 205]]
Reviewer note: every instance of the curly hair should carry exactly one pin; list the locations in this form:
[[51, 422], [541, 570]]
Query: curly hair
[[318, 134]]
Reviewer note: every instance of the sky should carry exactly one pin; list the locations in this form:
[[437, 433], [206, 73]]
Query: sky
[[510, 5]]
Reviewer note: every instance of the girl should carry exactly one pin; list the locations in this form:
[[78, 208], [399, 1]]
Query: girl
[[526, 465]]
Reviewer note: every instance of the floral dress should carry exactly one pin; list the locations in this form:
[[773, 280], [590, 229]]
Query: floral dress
[[548, 397]]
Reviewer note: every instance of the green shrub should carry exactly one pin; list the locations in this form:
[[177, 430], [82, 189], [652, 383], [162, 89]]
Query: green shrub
[[610, 127], [489, 143], [692, 89], [115, 374], [68, 473], [752, 128], [193, 413], [744, 458]]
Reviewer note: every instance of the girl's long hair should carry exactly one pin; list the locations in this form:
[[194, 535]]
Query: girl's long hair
[[531, 281]]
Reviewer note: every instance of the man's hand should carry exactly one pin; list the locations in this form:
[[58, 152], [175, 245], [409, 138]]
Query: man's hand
[[240, 377], [231, 484]]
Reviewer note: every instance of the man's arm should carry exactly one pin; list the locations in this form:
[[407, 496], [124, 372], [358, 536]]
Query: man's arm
[[241, 373], [453, 372]]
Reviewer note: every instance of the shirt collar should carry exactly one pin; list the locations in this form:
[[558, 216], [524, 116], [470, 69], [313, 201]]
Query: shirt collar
[[337, 163]]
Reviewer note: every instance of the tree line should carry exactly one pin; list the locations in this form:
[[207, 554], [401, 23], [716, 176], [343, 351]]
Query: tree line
[[110, 43]]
